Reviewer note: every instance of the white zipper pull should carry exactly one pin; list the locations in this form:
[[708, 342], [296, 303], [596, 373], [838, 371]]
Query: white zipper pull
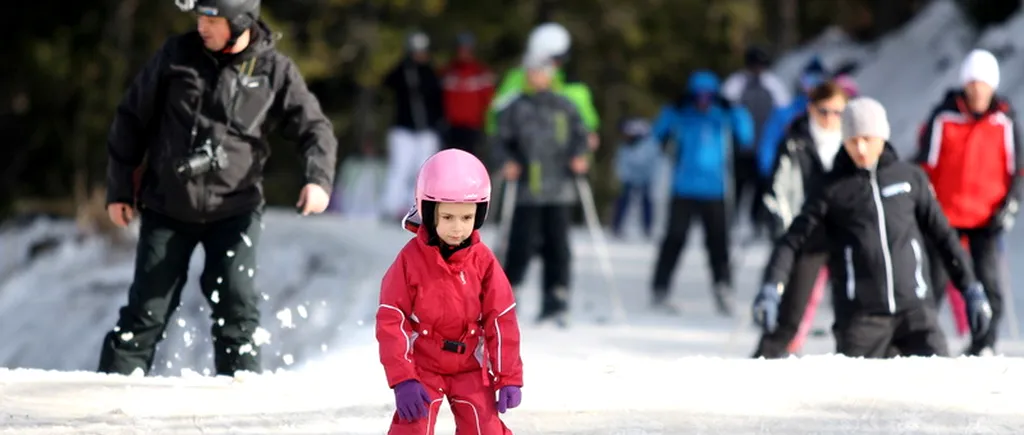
[[462, 277]]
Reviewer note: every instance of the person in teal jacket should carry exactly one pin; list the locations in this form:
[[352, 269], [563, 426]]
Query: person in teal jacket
[[705, 128]]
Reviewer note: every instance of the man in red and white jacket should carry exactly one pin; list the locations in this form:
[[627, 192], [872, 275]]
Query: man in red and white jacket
[[468, 88], [971, 150]]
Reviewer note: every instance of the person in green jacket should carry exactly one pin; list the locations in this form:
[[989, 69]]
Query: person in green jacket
[[551, 39]]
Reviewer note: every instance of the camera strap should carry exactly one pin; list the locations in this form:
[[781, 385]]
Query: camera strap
[[244, 70]]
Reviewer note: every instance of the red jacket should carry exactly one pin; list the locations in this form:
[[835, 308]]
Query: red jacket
[[468, 87], [426, 301], [975, 163]]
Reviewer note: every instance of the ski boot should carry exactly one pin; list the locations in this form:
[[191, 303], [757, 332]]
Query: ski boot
[[724, 299], [662, 305], [559, 319]]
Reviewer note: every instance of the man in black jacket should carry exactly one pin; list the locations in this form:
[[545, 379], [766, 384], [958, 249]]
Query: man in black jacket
[[876, 213], [195, 119]]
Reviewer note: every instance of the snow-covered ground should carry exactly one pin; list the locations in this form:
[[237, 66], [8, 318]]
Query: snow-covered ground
[[654, 375]]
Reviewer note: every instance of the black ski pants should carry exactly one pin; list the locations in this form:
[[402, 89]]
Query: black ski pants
[[911, 332], [716, 239], [748, 182], [985, 255], [794, 302], [161, 269], [548, 225]]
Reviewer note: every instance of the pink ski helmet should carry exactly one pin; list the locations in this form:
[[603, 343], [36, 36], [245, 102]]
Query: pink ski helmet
[[452, 176]]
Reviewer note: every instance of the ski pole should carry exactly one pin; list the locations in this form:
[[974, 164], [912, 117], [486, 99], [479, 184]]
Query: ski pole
[[594, 225], [508, 205]]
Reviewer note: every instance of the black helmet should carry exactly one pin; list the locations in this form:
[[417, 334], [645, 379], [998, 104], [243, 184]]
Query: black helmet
[[756, 57], [241, 14]]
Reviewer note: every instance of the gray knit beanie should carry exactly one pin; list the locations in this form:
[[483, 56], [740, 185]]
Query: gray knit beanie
[[865, 116]]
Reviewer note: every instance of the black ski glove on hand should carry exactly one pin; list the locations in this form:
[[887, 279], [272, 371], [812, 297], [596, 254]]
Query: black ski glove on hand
[[979, 312], [766, 307], [1004, 218]]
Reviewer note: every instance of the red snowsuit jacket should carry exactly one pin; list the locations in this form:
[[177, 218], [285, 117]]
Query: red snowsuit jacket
[[975, 163], [468, 88], [426, 301]]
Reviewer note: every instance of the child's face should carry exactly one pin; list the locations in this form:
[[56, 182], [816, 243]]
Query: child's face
[[455, 221]]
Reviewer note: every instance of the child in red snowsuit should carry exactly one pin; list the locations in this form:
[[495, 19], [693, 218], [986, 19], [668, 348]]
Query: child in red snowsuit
[[447, 324]]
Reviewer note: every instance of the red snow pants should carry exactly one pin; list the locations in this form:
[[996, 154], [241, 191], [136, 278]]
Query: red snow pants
[[472, 401]]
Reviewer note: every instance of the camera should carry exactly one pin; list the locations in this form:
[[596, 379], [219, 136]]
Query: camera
[[204, 159]]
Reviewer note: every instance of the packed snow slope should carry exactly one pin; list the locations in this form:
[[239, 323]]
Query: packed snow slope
[[653, 375]]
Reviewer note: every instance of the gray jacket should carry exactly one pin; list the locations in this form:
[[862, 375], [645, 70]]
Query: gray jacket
[[542, 131]]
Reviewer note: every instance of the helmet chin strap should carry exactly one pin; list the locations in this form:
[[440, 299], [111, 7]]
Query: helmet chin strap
[[238, 26]]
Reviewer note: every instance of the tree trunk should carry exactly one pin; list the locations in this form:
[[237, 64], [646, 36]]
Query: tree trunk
[[789, 24]]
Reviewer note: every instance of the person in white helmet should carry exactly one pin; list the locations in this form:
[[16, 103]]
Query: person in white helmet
[[550, 40]]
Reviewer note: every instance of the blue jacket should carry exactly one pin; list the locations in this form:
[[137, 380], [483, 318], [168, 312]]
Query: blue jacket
[[774, 130], [636, 164], [705, 142]]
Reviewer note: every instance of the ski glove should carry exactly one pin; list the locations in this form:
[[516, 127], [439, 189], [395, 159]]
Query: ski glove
[[509, 397], [1004, 218], [766, 307], [979, 312], [411, 400]]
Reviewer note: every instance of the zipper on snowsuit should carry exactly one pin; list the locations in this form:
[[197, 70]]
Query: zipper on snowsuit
[[883, 235]]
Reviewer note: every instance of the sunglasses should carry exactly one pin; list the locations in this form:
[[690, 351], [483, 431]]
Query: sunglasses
[[825, 112]]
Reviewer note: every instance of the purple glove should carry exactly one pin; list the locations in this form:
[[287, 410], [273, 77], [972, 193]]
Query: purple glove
[[411, 400], [509, 397]]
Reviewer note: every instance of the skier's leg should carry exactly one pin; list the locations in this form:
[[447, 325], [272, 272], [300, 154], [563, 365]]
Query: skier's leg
[[557, 259], [161, 267], [621, 207], [680, 213], [794, 302], [985, 253], [865, 335], [473, 404], [434, 384], [522, 233], [647, 209], [228, 283], [919, 334], [716, 242], [402, 154]]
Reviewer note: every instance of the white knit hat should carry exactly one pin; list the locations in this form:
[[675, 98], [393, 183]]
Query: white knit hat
[[982, 66]]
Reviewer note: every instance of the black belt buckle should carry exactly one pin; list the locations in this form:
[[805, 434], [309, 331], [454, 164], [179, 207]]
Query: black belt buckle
[[454, 347]]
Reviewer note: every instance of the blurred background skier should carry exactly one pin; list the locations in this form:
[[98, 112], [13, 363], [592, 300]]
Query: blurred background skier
[[418, 119], [468, 88], [552, 41], [704, 127], [774, 129], [970, 148], [541, 142], [636, 165], [801, 169], [761, 92]]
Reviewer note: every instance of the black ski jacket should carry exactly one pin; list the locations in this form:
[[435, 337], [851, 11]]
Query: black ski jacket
[[185, 95], [875, 223]]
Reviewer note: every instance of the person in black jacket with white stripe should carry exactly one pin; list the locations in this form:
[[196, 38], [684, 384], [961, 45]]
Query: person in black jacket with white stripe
[[876, 212]]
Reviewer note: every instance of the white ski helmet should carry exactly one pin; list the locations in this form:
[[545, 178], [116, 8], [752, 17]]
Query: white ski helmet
[[551, 39]]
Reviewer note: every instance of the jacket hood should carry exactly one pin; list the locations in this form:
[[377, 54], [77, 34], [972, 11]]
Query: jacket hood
[[844, 163]]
